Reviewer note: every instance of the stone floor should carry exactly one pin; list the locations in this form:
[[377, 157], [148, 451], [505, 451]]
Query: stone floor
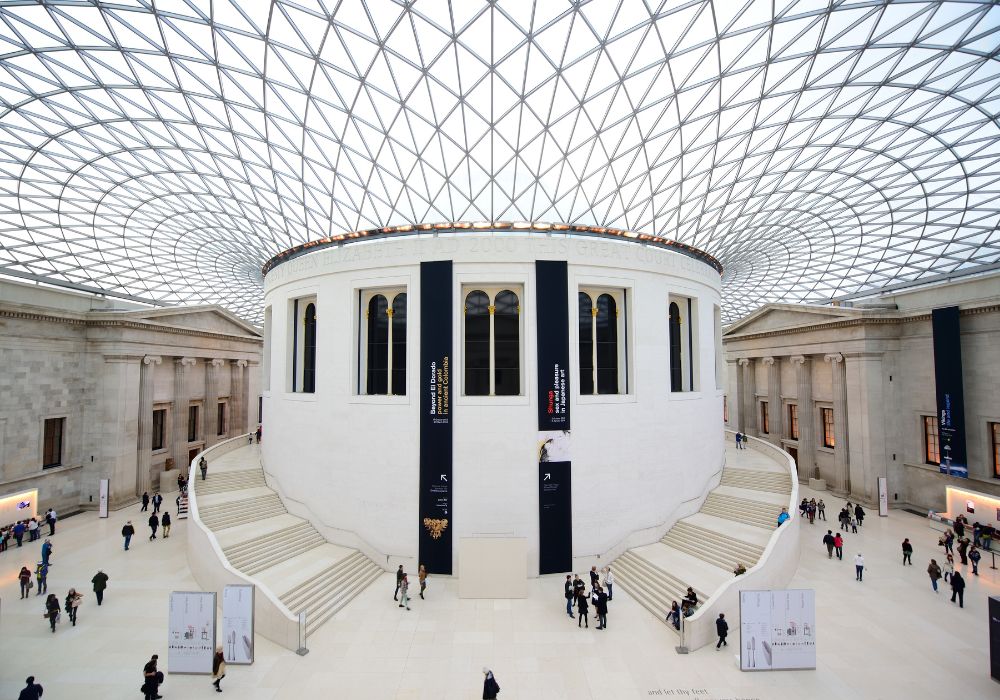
[[889, 637]]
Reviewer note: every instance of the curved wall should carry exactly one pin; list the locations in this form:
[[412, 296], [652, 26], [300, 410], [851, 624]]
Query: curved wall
[[354, 459]]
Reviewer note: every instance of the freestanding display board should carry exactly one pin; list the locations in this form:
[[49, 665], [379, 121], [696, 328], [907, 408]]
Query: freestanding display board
[[102, 507], [191, 631], [237, 623], [777, 630], [994, 610]]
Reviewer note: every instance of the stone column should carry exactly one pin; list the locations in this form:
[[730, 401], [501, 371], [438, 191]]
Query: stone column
[[748, 407], [212, 400], [774, 413], [237, 401], [866, 432], [733, 394], [145, 440], [807, 426], [182, 399], [840, 447]]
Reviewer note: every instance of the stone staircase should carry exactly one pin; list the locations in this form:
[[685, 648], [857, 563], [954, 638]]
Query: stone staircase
[[733, 526], [280, 551]]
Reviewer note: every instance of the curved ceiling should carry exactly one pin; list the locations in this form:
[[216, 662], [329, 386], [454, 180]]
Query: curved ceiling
[[164, 150]]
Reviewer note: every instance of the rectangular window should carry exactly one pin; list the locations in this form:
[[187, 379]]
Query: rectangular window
[[52, 449], [765, 422], [682, 343], [492, 340], [603, 341], [221, 419], [192, 423], [932, 445], [159, 428], [382, 346], [793, 421], [303, 345], [827, 415], [995, 452]]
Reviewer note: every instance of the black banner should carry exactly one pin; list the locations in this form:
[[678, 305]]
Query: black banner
[[948, 382], [555, 503], [555, 517], [436, 523], [994, 611]]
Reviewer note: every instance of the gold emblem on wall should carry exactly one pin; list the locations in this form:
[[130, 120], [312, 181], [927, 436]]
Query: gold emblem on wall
[[436, 526]]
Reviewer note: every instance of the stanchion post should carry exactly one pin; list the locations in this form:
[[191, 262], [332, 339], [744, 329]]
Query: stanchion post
[[994, 557], [302, 651], [682, 647]]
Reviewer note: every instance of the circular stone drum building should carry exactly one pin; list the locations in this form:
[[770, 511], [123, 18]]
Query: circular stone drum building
[[558, 384]]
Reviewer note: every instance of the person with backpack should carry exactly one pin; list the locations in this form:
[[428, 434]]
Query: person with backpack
[[50, 518], [41, 577], [24, 578], [859, 513], [490, 686], [33, 691], [974, 557], [127, 531]]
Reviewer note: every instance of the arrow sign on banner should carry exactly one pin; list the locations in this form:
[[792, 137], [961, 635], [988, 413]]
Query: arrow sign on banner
[[548, 476], [444, 477]]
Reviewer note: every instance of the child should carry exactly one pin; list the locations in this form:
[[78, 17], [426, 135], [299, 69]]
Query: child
[[854, 525]]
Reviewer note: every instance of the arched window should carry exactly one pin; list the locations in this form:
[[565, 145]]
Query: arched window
[[477, 344], [506, 345], [398, 347], [607, 345], [676, 364], [378, 345], [309, 350], [586, 344]]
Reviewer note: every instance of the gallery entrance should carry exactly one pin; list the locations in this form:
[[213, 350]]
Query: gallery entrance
[[794, 452]]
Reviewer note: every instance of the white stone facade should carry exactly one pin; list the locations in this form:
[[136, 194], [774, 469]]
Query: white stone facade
[[873, 365], [95, 363]]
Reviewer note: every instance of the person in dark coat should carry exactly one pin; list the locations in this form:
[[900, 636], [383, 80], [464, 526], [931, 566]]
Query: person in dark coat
[[154, 522], [52, 610], [828, 541], [145, 501], [594, 577], [46, 552], [100, 582], [582, 607], [151, 679], [203, 466], [907, 552], [722, 627], [568, 590], [399, 581], [859, 513], [602, 609], [32, 691], [157, 502], [165, 522], [490, 686], [963, 549], [127, 531], [674, 616], [958, 589], [218, 669]]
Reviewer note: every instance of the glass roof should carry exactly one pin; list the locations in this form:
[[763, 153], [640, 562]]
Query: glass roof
[[164, 150]]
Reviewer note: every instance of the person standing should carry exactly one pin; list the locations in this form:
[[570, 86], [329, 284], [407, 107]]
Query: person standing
[[963, 549], [974, 557], [399, 582], [838, 545], [203, 466], [594, 577], [490, 686], [32, 691], [46, 552], [100, 582], [602, 609], [258, 434], [568, 592], [949, 541], [154, 522], [52, 610], [578, 587], [821, 510], [50, 518], [582, 608], [41, 576], [145, 501], [127, 532], [934, 571], [151, 679], [165, 522], [739, 439], [32, 530], [72, 604], [958, 588], [859, 567], [422, 578], [907, 552], [157, 501], [218, 669], [949, 567], [828, 541], [960, 522], [19, 528], [24, 578], [609, 582], [722, 627], [404, 593]]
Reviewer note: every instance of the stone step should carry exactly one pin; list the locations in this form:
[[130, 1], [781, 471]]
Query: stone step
[[274, 558], [764, 515], [300, 597], [263, 542], [718, 542], [247, 556], [723, 558], [339, 599]]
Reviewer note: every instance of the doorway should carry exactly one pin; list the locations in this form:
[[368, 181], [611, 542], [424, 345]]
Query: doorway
[[192, 454], [794, 452]]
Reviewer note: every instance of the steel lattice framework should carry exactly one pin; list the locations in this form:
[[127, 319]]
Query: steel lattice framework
[[164, 150]]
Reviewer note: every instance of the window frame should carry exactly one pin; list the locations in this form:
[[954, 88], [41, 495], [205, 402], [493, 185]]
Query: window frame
[[297, 335], [492, 290], [622, 298], [687, 307], [159, 432], [47, 461], [931, 439], [793, 421], [194, 425], [221, 417], [362, 378], [765, 418], [993, 429], [827, 428]]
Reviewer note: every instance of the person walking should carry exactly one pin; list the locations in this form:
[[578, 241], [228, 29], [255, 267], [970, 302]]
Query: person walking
[[948, 541], [32, 691], [582, 608], [41, 577], [568, 592], [100, 582], [157, 502], [422, 578], [127, 531], [821, 510], [949, 567], [811, 511], [739, 439], [974, 557], [602, 609], [958, 588], [934, 571], [46, 551], [399, 582], [203, 466], [828, 541], [404, 593], [50, 518], [154, 522], [859, 567], [165, 522], [52, 610], [722, 628], [218, 669], [859, 513], [24, 578], [145, 501], [151, 679], [907, 552], [609, 581], [490, 686], [73, 604], [838, 545]]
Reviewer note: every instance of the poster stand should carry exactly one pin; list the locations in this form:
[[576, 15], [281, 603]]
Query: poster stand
[[102, 506], [238, 623], [777, 630], [191, 632]]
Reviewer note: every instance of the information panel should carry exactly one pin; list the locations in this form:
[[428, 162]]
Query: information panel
[[994, 612], [948, 385], [777, 630], [237, 623], [436, 523], [191, 642], [102, 508], [555, 508]]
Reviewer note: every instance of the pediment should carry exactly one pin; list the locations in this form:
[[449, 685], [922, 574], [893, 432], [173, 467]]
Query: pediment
[[213, 319], [785, 316]]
